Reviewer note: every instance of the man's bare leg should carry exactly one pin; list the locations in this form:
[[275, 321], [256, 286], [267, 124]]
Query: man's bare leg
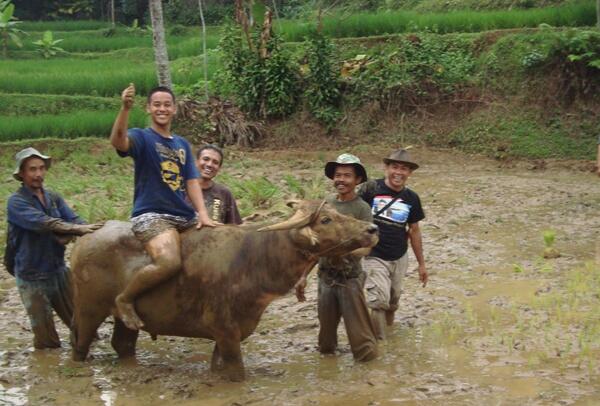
[[165, 251]]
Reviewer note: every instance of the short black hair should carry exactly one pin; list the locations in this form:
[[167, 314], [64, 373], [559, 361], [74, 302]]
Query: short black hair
[[210, 146], [159, 89]]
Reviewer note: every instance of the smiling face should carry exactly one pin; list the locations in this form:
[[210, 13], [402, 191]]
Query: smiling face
[[162, 109], [396, 175], [209, 164], [345, 181], [32, 173]]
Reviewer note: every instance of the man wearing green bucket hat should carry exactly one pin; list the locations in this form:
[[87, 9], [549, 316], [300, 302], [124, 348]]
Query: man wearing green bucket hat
[[40, 223], [340, 292], [397, 211]]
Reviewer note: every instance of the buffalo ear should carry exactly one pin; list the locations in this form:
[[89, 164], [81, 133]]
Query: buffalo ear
[[307, 233], [293, 203]]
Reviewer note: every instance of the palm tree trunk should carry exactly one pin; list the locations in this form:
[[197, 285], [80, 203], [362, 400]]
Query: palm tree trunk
[[598, 14], [204, 48], [112, 12], [160, 44]]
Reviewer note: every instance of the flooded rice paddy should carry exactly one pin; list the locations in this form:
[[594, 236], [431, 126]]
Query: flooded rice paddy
[[498, 324]]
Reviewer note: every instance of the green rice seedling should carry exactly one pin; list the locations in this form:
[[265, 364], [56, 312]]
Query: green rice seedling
[[294, 186], [549, 250], [16, 104], [259, 192], [70, 125], [388, 22], [70, 25], [96, 77]]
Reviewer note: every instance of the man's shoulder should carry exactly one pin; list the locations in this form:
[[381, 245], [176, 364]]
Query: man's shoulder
[[221, 189], [410, 193]]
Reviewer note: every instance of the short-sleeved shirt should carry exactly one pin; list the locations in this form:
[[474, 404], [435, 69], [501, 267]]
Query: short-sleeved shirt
[[358, 209], [220, 204], [393, 221], [162, 166], [38, 254]]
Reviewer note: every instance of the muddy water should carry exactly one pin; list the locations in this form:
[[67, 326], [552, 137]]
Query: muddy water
[[488, 329]]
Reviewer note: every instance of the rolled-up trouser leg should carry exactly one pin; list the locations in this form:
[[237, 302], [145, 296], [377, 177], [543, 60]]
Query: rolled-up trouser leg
[[357, 320], [329, 317], [35, 298], [397, 273], [378, 282], [62, 298]]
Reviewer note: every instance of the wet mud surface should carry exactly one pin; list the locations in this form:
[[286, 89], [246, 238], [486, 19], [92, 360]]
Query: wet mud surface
[[497, 324]]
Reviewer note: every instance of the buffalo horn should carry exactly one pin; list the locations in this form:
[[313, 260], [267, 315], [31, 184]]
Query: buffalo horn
[[299, 219]]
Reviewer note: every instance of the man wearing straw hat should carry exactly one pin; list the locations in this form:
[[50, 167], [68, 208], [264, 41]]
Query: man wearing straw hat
[[40, 223], [397, 211], [340, 292]]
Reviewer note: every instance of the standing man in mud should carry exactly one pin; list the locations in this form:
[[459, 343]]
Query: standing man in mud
[[165, 175], [340, 291], [220, 203], [397, 211], [40, 224]]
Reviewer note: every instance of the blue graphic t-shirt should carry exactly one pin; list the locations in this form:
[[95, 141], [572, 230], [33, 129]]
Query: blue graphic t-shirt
[[391, 219], [162, 166]]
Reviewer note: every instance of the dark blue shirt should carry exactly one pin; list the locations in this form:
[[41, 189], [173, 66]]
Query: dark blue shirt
[[38, 254], [162, 166]]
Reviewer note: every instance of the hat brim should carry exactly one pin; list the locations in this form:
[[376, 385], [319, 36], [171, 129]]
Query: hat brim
[[47, 160], [411, 165], [360, 170]]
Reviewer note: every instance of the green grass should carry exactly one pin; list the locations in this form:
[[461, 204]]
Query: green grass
[[95, 77], [16, 104], [369, 24], [516, 133], [94, 41], [70, 125], [80, 25]]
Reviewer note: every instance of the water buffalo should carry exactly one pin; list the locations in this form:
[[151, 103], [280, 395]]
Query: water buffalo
[[230, 274]]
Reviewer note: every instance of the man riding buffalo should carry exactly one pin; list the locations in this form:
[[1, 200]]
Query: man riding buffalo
[[164, 175]]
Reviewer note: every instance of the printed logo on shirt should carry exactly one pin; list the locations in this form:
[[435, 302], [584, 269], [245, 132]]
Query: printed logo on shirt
[[168, 153], [397, 213], [171, 175]]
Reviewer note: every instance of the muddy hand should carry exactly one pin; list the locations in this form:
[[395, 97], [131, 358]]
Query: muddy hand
[[128, 315], [88, 228], [423, 275], [207, 222], [300, 286], [127, 97]]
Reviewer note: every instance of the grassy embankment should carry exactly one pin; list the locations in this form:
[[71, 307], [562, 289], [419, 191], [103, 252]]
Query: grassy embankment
[[77, 94], [392, 22]]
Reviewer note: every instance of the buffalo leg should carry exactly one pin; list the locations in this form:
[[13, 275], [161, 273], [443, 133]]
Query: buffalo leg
[[123, 339], [83, 333], [215, 362], [231, 354]]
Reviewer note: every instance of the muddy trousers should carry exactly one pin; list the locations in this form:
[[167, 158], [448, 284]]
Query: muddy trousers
[[40, 298], [345, 300], [382, 288]]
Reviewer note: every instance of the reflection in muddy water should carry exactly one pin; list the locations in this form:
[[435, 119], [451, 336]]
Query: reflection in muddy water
[[497, 325]]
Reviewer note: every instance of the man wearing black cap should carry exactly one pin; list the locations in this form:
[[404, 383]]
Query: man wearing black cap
[[40, 223], [340, 292], [397, 211]]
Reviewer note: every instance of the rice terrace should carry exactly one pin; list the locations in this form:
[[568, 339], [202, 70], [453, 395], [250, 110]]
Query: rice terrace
[[496, 102]]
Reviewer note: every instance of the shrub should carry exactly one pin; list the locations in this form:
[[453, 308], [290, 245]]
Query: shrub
[[322, 92], [261, 86], [420, 68]]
